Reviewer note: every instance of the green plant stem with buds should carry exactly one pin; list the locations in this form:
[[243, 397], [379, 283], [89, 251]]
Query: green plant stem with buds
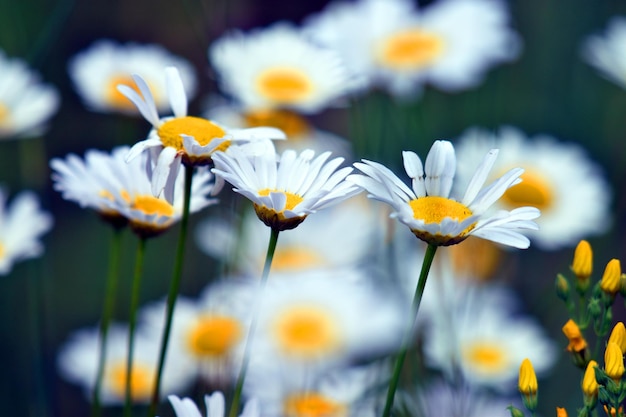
[[406, 341]]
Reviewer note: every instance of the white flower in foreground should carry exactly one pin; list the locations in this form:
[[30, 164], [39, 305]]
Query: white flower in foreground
[[25, 103], [78, 363], [285, 192], [121, 191], [432, 215], [607, 52], [450, 43], [215, 406], [485, 338], [21, 225], [557, 176], [277, 67], [97, 71], [182, 138]]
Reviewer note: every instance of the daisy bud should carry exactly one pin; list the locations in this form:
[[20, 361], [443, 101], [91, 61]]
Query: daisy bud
[[613, 361], [582, 266], [562, 288], [577, 343], [590, 384], [618, 336], [610, 282], [527, 385], [561, 412], [515, 412]]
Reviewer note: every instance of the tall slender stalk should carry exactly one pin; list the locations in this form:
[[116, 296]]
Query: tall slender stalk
[[173, 292], [406, 340], [271, 248], [134, 304], [107, 312]]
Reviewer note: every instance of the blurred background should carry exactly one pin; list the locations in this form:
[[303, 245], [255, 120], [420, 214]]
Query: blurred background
[[548, 89]]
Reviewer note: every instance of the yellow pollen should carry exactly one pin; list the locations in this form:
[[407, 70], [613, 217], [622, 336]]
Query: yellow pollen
[[284, 85], [292, 199], [433, 209], [5, 115], [141, 380], [203, 130], [214, 336], [295, 259], [535, 190], [410, 49], [152, 205], [313, 405], [117, 99], [291, 123], [306, 331], [486, 358]]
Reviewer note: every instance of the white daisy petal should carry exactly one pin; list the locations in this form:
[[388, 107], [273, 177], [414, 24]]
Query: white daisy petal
[[176, 92]]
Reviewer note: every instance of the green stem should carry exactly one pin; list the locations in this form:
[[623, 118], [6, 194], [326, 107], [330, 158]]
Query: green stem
[[107, 312], [134, 304], [173, 292], [271, 248], [406, 341]]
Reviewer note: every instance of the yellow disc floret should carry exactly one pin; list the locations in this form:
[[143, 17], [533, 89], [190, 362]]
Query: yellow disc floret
[[485, 357], [141, 380], [284, 85], [214, 336], [312, 404], [410, 49], [203, 130], [294, 125], [114, 97], [296, 258], [276, 218], [534, 190], [433, 209]]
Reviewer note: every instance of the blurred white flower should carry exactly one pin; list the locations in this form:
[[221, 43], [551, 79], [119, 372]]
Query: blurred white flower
[[97, 71], [25, 103], [606, 52], [215, 406], [21, 225]]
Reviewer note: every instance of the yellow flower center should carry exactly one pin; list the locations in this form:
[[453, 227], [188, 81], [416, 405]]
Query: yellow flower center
[[214, 336], [5, 115], [313, 404], [3, 251], [433, 209], [486, 357], [117, 99], [291, 123], [203, 130], [141, 380], [292, 199], [284, 85], [295, 258], [535, 190], [152, 205], [410, 49], [306, 331], [465, 261]]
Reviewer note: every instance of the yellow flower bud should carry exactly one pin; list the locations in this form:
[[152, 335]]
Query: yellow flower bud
[[577, 342], [589, 384], [611, 278], [527, 385], [618, 336], [613, 361], [583, 259], [561, 412]]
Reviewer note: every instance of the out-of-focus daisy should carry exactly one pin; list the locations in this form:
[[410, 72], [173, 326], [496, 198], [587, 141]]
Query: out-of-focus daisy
[[557, 176], [450, 43], [25, 103], [285, 192], [438, 219], [605, 52], [342, 236], [182, 138], [98, 70], [215, 406], [21, 225], [78, 363], [487, 354], [320, 320], [282, 70], [209, 331], [120, 190], [342, 392]]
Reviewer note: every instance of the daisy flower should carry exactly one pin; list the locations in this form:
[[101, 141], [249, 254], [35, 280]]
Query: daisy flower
[[556, 177], [209, 331], [487, 354], [97, 71], [432, 215], [605, 52], [182, 138], [121, 191], [282, 70], [285, 192], [25, 103], [21, 225], [450, 43], [77, 362], [215, 406]]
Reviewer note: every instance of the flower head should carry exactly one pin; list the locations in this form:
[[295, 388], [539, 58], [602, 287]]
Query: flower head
[[97, 71], [25, 103], [582, 266], [286, 191], [613, 361], [432, 215], [605, 51], [527, 384], [182, 138], [618, 336], [21, 225], [611, 279], [589, 383], [577, 342]]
